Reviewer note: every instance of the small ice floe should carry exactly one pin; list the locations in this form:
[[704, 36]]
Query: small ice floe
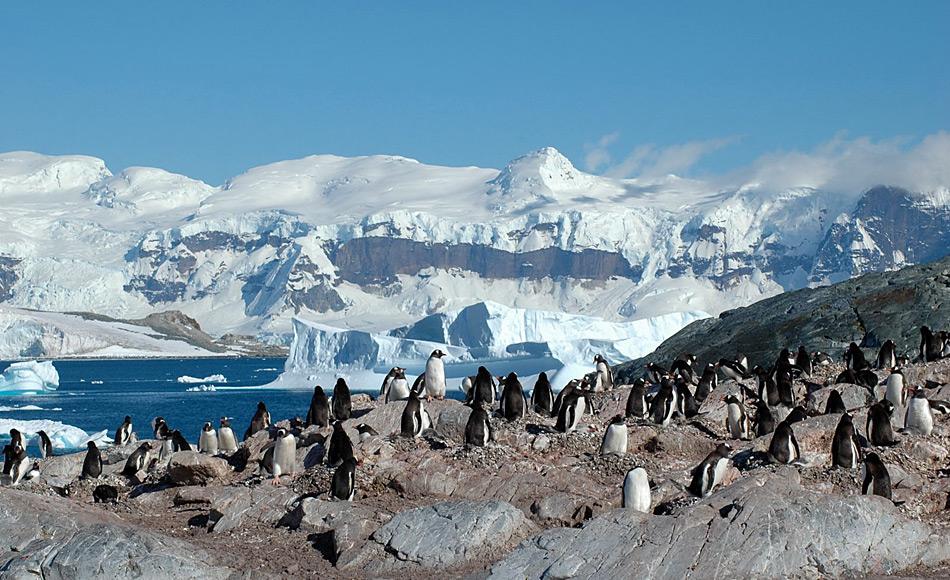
[[208, 379]]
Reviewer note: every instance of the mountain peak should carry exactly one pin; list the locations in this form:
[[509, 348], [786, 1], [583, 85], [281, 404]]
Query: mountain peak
[[537, 178]]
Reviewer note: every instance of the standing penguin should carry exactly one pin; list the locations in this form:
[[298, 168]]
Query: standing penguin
[[569, 389], [435, 376], [342, 402], [179, 443], [284, 457], [16, 438], [803, 361], [931, 345], [636, 491], [854, 358], [784, 447], [835, 404], [123, 435], [227, 442], [786, 390], [260, 422], [397, 389], [709, 474], [764, 422], [542, 397], [16, 463], [845, 447], [887, 355], [605, 377], [414, 417], [733, 369], [208, 440], [572, 409], [319, 412], [138, 461], [483, 388], [768, 391], [637, 400], [341, 447], [878, 424], [683, 367], [919, 418], [160, 428], [688, 407], [707, 383], [45, 444], [513, 402], [615, 438], [343, 485], [92, 464], [737, 421], [663, 404], [478, 430], [895, 391], [876, 478]]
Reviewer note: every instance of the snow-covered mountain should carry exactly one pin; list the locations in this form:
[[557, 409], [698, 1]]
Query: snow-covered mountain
[[372, 243]]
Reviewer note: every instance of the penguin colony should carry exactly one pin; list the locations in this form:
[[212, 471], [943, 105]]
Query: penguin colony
[[661, 396]]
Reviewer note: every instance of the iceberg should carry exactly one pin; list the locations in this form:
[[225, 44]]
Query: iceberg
[[64, 437], [29, 377], [208, 379]]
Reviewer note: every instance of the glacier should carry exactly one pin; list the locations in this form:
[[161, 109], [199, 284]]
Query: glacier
[[29, 377]]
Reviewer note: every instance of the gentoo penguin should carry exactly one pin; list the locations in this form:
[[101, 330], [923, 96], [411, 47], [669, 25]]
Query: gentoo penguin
[[784, 447], [764, 422], [397, 389], [835, 404], [138, 461], [414, 417], [821, 358], [366, 431], [208, 440], [876, 479], [542, 397], [569, 389], [615, 438], [160, 428], [260, 422], [845, 448], [572, 409], [478, 430], [803, 361], [785, 364], [92, 464], [18, 465], [737, 421], [178, 442], [123, 435], [663, 404], [683, 367], [931, 345], [707, 383], [655, 373], [742, 360], [636, 491], [16, 439], [733, 370], [8, 451], [482, 388], [343, 485], [342, 402], [786, 390], [886, 356], [854, 358], [319, 412], [34, 471], [864, 378], [105, 494], [284, 459], [605, 378], [709, 474], [895, 391], [45, 444], [768, 391], [637, 400], [686, 403], [878, 424], [919, 418], [419, 385], [340, 445], [435, 376], [227, 442], [795, 415], [513, 402]]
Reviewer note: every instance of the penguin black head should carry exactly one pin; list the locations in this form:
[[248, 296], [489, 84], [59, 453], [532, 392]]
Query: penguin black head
[[617, 420], [207, 426], [543, 377], [91, 445], [14, 433], [261, 406], [887, 406], [338, 425], [128, 419], [363, 428], [281, 433], [225, 422], [341, 382], [724, 449], [437, 353]]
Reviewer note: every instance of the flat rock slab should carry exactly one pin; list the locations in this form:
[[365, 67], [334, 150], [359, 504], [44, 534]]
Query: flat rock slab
[[56, 538], [231, 507], [764, 526], [193, 468]]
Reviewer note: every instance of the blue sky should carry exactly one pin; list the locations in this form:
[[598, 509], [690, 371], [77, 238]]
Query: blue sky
[[210, 88]]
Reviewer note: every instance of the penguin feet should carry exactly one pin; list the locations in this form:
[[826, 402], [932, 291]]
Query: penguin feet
[[275, 481]]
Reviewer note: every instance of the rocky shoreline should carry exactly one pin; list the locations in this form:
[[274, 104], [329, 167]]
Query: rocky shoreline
[[534, 503]]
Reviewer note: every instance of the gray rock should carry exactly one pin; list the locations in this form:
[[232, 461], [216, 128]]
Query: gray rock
[[232, 506], [927, 451], [854, 397], [350, 525], [193, 468], [762, 526], [59, 539], [561, 509]]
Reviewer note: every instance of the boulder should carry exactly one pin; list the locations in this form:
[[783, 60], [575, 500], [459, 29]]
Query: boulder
[[763, 525], [193, 468], [854, 397], [52, 537], [349, 524], [231, 507]]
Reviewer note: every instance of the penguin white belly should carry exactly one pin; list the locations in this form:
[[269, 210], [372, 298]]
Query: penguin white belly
[[894, 392], [636, 491], [398, 390], [226, 440], [919, 419], [792, 455], [735, 421], [285, 456], [208, 442], [579, 407], [466, 386], [435, 378], [485, 433], [854, 455], [615, 441], [719, 472]]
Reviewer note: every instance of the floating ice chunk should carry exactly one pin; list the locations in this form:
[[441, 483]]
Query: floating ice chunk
[[63, 436], [23, 408], [29, 377], [208, 379], [201, 388]]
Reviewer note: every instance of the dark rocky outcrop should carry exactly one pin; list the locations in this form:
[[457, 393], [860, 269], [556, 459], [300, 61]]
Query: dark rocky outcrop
[[8, 276], [867, 310]]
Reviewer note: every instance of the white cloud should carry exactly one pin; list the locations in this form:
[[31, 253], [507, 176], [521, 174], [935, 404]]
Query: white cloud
[[598, 154], [651, 160]]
